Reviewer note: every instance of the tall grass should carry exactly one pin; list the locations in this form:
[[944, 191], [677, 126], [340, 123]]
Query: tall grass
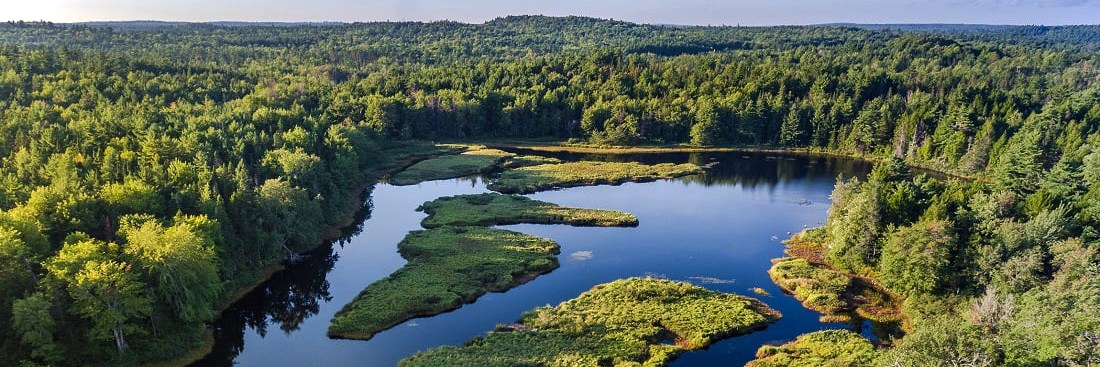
[[447, 267], [586, 173], [495, 209], [477, 160], [632, 322]]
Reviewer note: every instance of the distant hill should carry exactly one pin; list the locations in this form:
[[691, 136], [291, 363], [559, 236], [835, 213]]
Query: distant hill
[[148, 24], [1080, 35], [925, 27], [513, 36]]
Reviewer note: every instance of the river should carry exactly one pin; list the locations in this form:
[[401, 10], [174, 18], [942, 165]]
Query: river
[[718, 230]]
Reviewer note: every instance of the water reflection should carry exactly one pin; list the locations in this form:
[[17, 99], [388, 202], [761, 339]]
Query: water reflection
[[286, 300], [718, 229], [747, 169]]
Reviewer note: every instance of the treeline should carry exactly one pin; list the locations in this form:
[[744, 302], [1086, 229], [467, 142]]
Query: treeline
[[136, 199], [994, 273], [936, 102], [148, 172], [949, 103]]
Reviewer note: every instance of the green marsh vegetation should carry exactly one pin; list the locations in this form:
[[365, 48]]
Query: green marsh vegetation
[[816, 286], [270, 132], [585, 173], [528, 160], [827, 348], [447, 267], [631, 322], [837, 294], [458, 259], [474, 161], [493, 209], [992, 272]]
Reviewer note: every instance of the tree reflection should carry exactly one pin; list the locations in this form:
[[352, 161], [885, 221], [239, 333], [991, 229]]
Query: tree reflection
[[746, 169], [285, 301]]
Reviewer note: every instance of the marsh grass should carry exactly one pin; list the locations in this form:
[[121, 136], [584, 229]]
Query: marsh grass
[[818, 287], [632, 322], [528, 160], [586, 173], [474, 161], [492, 209], [820, 348], [447, 268], [838, 295]]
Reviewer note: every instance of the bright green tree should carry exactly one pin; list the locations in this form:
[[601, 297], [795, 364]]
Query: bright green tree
[[105, 290], [915, 258], [706, 130], [180, 265]]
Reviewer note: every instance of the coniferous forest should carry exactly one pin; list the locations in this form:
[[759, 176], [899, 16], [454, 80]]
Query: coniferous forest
[[152, 171]]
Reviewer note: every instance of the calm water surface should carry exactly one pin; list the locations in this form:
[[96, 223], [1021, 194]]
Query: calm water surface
[[718, 230]]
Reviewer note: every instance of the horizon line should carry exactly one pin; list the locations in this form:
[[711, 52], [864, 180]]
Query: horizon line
[[428, 21]]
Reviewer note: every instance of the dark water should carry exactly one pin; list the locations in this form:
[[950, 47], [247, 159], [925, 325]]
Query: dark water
[[719, 230]]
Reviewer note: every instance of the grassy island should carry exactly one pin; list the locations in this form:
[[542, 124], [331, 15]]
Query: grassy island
[[839, 348], [474, 161], [630, 322], [586, 173], [495, 209], [447, 267], [528, 160], [838, 295]]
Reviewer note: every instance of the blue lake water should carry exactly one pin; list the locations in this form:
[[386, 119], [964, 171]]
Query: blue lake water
[[718, 230]]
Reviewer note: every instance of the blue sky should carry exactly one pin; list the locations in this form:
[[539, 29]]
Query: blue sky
[[698, 12]]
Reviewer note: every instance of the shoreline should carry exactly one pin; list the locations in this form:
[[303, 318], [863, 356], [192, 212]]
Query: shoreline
[[580, 148], [265, 273], [891, 311], [331, 233]]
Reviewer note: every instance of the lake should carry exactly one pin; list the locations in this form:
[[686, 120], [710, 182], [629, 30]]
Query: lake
[[718, 230]]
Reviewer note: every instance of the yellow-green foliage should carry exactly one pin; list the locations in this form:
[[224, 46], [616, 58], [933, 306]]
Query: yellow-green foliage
[[632, 322], [447, 267], [816, 286], [812, 279], [528, 160], [827, 348], [495, 209], [836, 294], [451, 166], [586, 173]]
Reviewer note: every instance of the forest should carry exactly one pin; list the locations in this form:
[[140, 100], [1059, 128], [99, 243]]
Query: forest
[[152, 171]]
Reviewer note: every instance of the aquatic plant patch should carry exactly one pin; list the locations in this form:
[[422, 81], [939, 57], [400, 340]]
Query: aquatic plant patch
[[819, 348], [472, 162], [631, 322], [447, 268], [531, 179], [492, 209]]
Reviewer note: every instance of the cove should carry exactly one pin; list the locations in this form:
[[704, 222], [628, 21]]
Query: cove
[[719, 229]]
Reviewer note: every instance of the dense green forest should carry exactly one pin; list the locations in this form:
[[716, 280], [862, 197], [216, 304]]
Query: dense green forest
[[993, 272], [150, 170]]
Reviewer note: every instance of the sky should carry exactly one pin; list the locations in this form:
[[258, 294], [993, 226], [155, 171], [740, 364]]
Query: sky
[[686, 12]]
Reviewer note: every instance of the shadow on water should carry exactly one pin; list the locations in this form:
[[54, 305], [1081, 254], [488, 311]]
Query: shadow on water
[[279, 305], [746, 169], [719, 229], [284, 301]]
